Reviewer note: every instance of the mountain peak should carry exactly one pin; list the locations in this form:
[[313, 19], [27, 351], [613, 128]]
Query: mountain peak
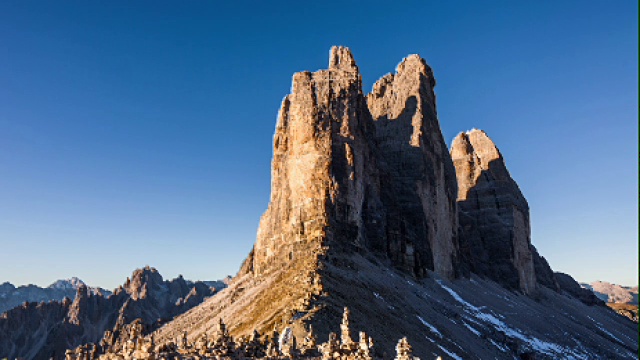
[[341, 58], [71, 283], [142, 281], [416, 65]]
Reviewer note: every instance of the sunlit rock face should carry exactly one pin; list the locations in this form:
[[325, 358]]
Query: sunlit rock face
[[494, 215]]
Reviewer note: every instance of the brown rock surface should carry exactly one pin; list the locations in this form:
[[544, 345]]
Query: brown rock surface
[[334, 181], [630, 311]]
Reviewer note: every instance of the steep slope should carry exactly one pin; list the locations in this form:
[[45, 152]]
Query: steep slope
[[363, 214], [12, 296], [45, 330]]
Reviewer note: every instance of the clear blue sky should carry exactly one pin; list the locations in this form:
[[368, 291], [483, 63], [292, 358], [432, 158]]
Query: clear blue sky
[[135, 133]]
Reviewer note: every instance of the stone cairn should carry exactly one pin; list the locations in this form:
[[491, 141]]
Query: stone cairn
[[404, 350], [218, 344]]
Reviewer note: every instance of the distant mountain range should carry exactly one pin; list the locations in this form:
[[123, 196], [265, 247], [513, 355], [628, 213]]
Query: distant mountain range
[[12, 296], [613, 293], [622, 299], [41, 323]]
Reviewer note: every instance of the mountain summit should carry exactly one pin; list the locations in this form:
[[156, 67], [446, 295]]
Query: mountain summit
[[370, 210]]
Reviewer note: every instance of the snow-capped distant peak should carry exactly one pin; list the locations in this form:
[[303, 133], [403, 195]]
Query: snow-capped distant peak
[[72, 283]]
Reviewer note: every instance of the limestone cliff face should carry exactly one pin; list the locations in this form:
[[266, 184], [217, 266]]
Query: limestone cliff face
[[342, 178], [418, 182], [494, 215]]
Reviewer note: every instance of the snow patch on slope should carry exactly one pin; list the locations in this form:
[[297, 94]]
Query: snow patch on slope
[[450, 353], [536, 344], [471, 328], [431, 327]]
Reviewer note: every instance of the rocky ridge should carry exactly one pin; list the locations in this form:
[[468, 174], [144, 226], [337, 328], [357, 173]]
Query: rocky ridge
[[46, 330], [366, 212]]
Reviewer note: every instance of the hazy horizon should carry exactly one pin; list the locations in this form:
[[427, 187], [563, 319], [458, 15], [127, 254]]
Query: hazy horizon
[[138, 135]]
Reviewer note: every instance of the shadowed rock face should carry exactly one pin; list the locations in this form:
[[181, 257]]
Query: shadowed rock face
[[494, 215], [418, 185]]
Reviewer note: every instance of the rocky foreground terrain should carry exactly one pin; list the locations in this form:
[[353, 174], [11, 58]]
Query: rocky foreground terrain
[[43, 330], [12, 296], [371, 211]]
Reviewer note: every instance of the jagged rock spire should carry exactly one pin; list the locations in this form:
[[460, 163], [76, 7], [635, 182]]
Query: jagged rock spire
[[418, 182], [474, 152]]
